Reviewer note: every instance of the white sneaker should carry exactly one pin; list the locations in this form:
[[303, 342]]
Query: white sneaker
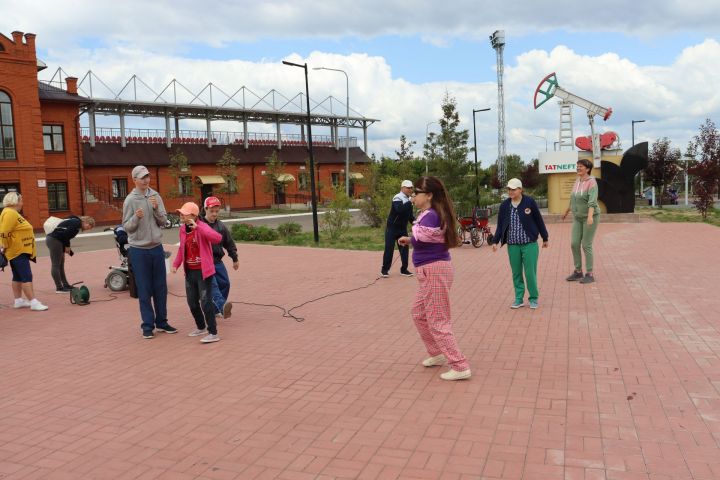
[[210, 339], [37, 306], [455, 375], [21, 304], [434, 361], [197, 333]]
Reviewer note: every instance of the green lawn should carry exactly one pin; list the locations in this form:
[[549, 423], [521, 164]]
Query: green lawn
[[681, 215], [358, 238]]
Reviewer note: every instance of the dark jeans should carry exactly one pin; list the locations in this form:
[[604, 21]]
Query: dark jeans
[[391, 237], [151, 283], [199, 299], [220, 287], [57, 259]]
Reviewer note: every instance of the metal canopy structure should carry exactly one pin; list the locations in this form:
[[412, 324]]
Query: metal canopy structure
[[175, 101]]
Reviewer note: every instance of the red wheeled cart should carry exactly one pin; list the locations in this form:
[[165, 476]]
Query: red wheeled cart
[[477, 227]]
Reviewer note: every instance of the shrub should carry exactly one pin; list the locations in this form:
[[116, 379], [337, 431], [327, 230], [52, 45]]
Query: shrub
[[288, 229], [336, 221], [246, 232]]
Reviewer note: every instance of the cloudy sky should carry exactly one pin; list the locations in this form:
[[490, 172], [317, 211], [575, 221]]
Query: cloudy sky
[[648, 60]]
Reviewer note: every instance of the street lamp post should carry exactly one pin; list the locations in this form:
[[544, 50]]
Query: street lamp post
[[687, 159], [477, 187], [632, 123], [316, 234], [544, 138], [347, 125]]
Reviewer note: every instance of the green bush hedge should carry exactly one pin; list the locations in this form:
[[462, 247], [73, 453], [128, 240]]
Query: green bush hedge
[[250, 233], [288, 229]]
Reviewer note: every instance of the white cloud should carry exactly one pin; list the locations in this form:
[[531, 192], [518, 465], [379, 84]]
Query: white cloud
[[165, 25], [673, 98]]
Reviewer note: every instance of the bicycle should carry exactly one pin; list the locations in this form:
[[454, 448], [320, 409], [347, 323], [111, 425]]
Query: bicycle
[[173, 220]]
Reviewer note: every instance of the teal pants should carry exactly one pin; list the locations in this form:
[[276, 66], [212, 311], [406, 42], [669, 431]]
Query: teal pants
[[582, 237], [524, 258]]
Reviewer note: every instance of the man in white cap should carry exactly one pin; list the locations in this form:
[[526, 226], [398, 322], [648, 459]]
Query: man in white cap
[[143, 217], [401, 213], [519, 223]]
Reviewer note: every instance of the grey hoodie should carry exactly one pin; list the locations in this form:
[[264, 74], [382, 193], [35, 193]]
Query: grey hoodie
[[143, 232]]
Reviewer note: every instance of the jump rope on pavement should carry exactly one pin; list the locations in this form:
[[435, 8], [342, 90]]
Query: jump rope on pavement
[[287, 311]]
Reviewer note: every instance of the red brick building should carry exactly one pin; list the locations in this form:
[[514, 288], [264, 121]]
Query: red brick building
[[44, 156], [39, 134]]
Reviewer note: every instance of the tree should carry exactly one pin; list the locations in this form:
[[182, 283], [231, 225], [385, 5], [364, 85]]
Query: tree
[[447, 153], [227, 168], [274, 169], [494, 177], [705, 149], [179, 167], [407, 165], [405, 152], [336, 221], [663, 166], [530, 175], [514, 166], [382, 182]]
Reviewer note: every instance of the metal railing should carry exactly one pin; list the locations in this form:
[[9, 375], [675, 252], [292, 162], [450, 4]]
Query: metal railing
[[93, 191], [157, 135]]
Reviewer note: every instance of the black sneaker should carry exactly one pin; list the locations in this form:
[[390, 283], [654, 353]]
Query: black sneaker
[[167, 329], [63, 290], [406, 273], [588, 278], [574, 276], [384, 274], [148, 335]]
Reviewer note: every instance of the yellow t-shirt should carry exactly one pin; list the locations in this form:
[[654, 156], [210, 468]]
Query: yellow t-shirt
[[16, 234]]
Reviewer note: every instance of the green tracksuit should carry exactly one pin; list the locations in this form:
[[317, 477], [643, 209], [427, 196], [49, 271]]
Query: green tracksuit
[[584, 196]]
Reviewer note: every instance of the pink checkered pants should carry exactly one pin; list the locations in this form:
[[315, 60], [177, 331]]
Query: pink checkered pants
[[431, 313]]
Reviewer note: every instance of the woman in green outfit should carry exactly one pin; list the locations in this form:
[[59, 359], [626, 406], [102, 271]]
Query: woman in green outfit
[[586, 215]]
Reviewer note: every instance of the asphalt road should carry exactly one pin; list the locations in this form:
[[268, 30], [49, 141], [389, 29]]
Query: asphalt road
[[97, 239]]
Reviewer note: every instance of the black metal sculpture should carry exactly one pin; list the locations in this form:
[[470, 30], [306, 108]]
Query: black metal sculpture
[[616, 188]]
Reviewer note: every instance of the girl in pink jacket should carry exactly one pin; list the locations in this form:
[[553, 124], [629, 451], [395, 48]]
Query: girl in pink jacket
[[195, 254]]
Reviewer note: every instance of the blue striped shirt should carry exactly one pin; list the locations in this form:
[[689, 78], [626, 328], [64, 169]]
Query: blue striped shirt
[[516, 232]]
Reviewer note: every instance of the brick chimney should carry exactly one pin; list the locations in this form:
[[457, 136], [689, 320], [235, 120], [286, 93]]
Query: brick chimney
[[71, 83], [17, 37], [30, 40]]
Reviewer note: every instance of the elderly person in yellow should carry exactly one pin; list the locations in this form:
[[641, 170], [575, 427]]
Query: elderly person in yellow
[[17, 242]]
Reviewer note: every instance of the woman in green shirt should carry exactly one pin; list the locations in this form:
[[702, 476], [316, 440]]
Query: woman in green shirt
[[586, 214]]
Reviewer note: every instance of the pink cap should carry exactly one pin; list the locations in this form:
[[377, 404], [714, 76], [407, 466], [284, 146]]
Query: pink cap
[[189, 208]]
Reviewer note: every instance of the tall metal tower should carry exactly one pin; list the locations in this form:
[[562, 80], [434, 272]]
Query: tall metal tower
[[497, 40]]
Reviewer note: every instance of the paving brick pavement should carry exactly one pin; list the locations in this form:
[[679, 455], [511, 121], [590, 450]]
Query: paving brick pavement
[[617, 380]]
